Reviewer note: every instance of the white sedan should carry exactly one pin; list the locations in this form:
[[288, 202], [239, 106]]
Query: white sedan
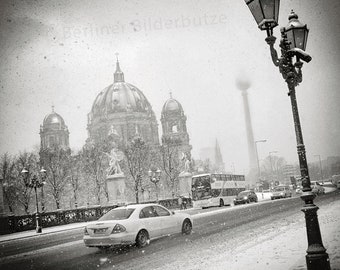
[[135, 224]]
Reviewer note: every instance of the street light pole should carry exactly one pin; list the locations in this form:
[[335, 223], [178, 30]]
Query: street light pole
[[257, 158], [321, 174], [155, 177], [35, 183], [293, 44]]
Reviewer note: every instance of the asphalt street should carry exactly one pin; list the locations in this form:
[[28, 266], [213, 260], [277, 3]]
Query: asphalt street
[[65, 250]]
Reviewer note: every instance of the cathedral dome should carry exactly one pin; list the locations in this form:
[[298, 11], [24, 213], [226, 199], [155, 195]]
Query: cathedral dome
[[122, 109], [120, 97], [172, 106], [53, 121]]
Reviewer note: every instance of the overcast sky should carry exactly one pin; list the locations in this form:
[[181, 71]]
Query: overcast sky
[[63, 53]]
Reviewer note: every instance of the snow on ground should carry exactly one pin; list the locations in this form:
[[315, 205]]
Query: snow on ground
[[278, 245]]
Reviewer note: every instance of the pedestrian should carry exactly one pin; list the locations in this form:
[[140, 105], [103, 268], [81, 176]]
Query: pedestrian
[[184, 202], [180, 202]]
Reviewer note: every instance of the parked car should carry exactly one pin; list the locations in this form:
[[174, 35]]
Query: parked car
[[317, 188], [135, 224], [298, 190], [280, 192], [246, 196]]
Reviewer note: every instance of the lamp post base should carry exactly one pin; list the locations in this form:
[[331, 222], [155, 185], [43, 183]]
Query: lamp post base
[[317, 257], [317, 262], [38, 227]]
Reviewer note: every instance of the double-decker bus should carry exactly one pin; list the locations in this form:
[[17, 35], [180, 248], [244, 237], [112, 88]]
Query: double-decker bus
[[216, 189]]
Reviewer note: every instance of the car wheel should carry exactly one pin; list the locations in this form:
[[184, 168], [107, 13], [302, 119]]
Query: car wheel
[[186, 226], [142, 238], [221, 203]]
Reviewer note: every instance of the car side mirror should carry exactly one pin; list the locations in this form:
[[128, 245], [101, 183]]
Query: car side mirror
[[173, 212]]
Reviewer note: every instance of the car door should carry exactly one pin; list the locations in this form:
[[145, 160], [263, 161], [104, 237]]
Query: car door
[[151, 221], [169, 223]]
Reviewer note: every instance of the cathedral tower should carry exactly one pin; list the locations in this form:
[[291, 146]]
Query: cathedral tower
[[174, 126], [54, 132]]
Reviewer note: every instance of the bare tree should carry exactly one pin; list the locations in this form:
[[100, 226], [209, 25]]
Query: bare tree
[[30, 161], [7, 167], [272, 168], [56, 161], [94, 164], [138, 154], [170, 162]]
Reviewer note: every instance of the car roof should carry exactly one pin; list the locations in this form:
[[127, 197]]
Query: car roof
[[138, 206]]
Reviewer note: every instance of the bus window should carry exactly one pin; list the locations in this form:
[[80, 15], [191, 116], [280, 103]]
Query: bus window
[[215, 192]]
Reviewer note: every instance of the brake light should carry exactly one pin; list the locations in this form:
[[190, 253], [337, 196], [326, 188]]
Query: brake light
[[118, 229], [85, 231]]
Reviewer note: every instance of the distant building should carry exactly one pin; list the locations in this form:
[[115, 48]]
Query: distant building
[[288, 172], [219, 166], [332, 164]]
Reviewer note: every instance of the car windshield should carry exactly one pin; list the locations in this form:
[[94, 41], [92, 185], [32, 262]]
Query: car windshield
[[118, 214], [243, 193]]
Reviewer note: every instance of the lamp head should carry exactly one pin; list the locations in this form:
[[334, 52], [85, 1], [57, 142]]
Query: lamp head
[[265, 12], [297, 32]]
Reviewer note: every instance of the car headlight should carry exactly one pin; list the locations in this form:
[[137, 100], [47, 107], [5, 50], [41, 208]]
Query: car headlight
[[282, 193], [245, 197], [118, 229]]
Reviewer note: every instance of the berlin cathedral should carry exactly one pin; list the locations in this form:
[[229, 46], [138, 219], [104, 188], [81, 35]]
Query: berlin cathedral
[[122, 109]]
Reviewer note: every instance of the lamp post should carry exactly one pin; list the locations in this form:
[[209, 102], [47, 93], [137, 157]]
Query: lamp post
[[34, 182], [293, 43], [257, 158], [155, 177], [321, 174]]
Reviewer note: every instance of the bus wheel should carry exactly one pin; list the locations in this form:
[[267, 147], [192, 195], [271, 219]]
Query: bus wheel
[[221, 203]]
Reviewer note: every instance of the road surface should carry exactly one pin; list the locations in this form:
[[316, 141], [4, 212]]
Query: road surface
[[234, 225]]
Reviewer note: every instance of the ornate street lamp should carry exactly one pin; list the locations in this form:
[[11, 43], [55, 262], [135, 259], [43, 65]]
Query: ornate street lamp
[[293, 43], [155, 177], [34, 182]]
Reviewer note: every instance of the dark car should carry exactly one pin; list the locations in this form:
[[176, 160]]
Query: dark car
[[246, 196]]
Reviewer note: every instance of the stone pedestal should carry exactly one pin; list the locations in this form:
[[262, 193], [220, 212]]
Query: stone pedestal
[[185, 184], [116, 188]]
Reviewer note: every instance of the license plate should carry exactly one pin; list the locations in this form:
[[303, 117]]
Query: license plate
[[100, 231]]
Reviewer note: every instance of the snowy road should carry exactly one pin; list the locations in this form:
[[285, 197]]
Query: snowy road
[[268, 235]]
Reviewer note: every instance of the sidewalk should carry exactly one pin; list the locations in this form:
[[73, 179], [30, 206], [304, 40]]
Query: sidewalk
[[32, 233]]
